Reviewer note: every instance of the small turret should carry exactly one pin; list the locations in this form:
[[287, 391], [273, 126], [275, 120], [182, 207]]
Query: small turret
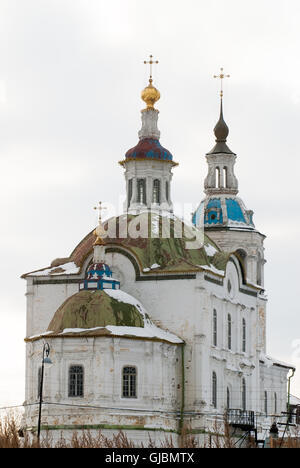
[[99, 274]]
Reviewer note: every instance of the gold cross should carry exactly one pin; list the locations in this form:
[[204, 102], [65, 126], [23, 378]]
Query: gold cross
[[151, 63], [100, 208], [221, 77]]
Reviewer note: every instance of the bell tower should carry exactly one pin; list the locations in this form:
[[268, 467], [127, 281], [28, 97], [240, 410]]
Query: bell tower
[[148, 165], [224, 216]]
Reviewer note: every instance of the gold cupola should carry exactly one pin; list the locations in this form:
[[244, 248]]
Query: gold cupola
[[150, 95]]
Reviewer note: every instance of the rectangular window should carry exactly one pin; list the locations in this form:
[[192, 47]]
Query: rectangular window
[[76, 381], [129, 382]]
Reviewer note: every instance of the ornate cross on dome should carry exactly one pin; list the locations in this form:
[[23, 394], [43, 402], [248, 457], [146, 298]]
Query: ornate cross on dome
[[100, 208], [99, 231], [151, 63], [221, 77]]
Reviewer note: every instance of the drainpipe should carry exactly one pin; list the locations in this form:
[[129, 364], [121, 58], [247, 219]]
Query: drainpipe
[[289, 390], [182, 390]]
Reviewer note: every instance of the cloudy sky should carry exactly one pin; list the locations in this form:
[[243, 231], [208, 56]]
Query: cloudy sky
[[71, 72]]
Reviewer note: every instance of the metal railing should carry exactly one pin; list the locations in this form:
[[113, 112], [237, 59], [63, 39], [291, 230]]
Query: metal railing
[[241, 418]]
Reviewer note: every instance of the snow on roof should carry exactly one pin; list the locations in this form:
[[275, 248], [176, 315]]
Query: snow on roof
[[210, 250], [69, 268], [294, 400], [150, 330], [122, 296], [211, 268], [269, 361]]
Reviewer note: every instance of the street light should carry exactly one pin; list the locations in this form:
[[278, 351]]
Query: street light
[[45, 360]]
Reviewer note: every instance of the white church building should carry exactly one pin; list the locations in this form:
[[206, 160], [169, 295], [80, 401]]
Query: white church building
[[149, 329]]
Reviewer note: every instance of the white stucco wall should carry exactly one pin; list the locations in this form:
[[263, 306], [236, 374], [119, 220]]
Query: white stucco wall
[[185, 308]]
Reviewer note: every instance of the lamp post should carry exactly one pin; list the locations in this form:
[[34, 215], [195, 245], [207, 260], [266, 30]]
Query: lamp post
[[45, 360]]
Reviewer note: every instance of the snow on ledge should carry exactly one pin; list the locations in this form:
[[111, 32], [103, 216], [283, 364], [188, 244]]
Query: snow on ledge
[[269, 361], [69, 268]]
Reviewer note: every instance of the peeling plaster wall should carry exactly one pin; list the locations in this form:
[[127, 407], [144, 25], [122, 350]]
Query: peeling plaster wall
[[185, 308], [158, 376]]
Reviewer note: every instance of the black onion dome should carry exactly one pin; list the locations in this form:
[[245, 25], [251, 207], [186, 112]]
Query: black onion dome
[[221, 129], [221, 132]]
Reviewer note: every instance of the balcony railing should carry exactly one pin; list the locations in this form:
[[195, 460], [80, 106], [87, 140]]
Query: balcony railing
[[241, 419]]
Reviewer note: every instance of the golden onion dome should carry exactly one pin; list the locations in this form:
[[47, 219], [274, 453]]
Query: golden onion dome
[[150, 95]]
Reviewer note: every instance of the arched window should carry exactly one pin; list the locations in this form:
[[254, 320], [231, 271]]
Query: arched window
[[225, 177], [214, 390], [229, 331], [76, 381], [129, 192], [215, 328], [167, 191], [242, 256], [244, 395], [129, 377], [218, 177], [244, 336], [275, 403], [228, 399], [141, 183], [156, 191], [266, 403], [259, 270]]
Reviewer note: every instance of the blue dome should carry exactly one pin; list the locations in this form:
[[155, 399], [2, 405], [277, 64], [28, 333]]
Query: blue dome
[[99, 276], [98, 270], [223, 212]]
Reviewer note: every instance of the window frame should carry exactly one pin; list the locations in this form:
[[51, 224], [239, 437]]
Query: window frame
[[244, 335], [215, 328], [141, 183], [130, 191], [156, 195], [214, 393], [78, 386], [266, 402], [229, 332], [228, 398], [244, 395], [129, 384]]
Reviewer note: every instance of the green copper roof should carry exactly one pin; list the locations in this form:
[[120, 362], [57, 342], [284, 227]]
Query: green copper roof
[[169, 253], [89, 309]]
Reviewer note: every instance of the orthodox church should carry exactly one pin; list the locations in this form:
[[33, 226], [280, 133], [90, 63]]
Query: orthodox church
[[153, 323]]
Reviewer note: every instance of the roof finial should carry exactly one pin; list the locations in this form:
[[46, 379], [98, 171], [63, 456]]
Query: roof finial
[[221, 76], [99, 231], [151, 63], [150, 94]]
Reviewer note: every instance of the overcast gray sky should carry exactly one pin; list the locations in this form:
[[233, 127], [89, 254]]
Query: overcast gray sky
[[71, 72]]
